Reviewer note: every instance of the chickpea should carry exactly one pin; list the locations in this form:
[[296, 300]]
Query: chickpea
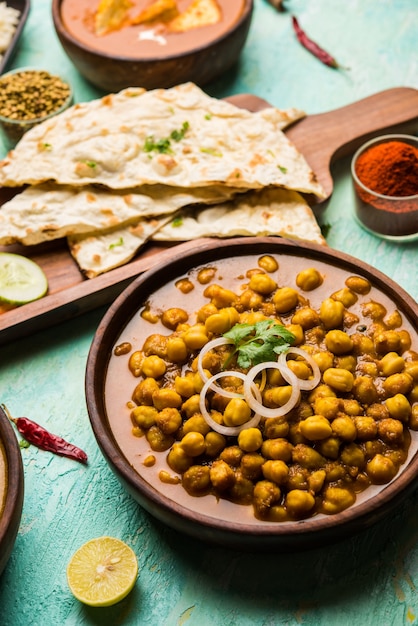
[[196, 423], [193, 444], [206, 274], [205, 311], [276, 471], [331, 313], [336, 499], [158, 440], [144, 416], [221, 475], [378, 411], [364, 390], [219, 296], [306, 317], [362, 344], [358, 285], [251, 464], [237, 412], [411, 368], [405, 340], [398, 383], [339, 379], [196, 479], [324, 360], [387, 341], [307, 457], [250, 300], [329, 447], [277, 449], [219, 323], [242, 490], [163, 398], [177, 351], [153, 366], [276, 427], [149, 316], [285, 299], [262, 283], [144, 391], [321, 391], [215, 443], [250, 439], [315, 428], [391, 363], [346, 296], [266, 493], [299, 503], [380, 469], [353, 455], [268, 263], [300, 368], [168, 420], [390, 430], [297, 332], [348, 362], [232, 455], [366, 427], [309, 279], [135, 362], [413, 420], [195, 337], [155, 344], [316, 481], [277, 396], [399, 407], [171, 318], [338, 342], [184, 385], [344, 428], [413, 394], [178, 460], [351, 406], [191, 406]]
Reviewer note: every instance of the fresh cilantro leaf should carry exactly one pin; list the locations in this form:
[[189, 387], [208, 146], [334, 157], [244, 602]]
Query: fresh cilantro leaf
[[177, 222], [177, 135], [116, 243], [258, 343], [163, 146], [23, 443], [282, 169]]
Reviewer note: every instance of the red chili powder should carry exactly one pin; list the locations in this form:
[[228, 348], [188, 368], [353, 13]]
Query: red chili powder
[[390, 169]]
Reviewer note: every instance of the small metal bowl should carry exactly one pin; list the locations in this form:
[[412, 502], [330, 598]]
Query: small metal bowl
[[12, 128], [389, 217]]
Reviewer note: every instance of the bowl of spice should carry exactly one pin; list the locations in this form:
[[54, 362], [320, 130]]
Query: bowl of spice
[[385, 179], [28, 97]]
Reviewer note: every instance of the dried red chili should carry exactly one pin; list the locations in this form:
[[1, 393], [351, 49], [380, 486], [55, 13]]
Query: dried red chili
[[43, 439], [313, 47]]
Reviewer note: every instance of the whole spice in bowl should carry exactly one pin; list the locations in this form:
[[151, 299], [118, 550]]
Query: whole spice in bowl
[[385, 178], [28, 97]]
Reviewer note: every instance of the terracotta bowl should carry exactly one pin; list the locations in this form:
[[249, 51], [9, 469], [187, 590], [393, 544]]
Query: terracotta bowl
[[11, 488], [109, 387], [113, 72]]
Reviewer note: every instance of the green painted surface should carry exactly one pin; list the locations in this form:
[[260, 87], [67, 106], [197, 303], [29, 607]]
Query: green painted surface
[[367, 580]]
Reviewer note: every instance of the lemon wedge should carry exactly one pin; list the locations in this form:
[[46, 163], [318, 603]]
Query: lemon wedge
[[102, 571], [21, 279]]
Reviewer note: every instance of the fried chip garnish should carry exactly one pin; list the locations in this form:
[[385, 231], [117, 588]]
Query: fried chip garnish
[[111, 15], [199, 13], [162, 10]]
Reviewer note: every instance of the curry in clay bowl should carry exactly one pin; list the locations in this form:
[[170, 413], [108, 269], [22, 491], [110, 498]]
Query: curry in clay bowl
[[152, 44], [11, 488], [226, 427]]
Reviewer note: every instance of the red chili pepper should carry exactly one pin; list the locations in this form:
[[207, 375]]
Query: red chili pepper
[[40, 437], [313, 47]]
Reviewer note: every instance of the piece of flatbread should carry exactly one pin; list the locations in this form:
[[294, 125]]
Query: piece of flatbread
[[198, 13], [179, 137], [111, 15], [262, 213], [48, 211], [97, 254], [255, 213]]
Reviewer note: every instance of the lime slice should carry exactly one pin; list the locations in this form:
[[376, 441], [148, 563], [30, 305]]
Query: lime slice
[[21, 280], [102, 571]]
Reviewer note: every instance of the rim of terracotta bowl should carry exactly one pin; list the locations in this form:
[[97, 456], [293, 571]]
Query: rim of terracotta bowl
[[11, 512], [59, 25], [281, 536]]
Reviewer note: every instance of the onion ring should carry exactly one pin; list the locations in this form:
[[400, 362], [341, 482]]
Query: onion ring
[[220, 428], [304, 384], [215, 343], [287, 374]]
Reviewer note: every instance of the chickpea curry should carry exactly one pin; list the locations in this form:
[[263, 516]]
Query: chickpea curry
[[258, 382]]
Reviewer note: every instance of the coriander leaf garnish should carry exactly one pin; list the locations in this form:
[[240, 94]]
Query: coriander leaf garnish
[[282, 169], [177, 222], [259, 342], [163, 146], [116, 243]]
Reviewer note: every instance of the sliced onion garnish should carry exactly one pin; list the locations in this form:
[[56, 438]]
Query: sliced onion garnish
[[220, 428], [215, 343], [304, 384], [255, 403]]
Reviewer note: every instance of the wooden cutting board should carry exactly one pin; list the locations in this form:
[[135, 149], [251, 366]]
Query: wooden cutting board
[[321, 138]]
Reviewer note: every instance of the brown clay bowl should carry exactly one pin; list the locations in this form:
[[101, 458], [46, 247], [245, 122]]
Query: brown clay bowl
[[11, 488], [109, 387], [113, 72]]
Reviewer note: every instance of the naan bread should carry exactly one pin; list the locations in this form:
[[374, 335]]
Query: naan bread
[[48, 211], [269, 212], [111, 15], [198, 13], [255, 213], [102, 253], [118, 141]]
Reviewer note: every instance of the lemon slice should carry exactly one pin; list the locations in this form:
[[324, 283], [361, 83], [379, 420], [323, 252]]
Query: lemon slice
[[102, 571], [21, 280]]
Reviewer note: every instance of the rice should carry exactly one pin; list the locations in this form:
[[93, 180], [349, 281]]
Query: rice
[[9, 19]]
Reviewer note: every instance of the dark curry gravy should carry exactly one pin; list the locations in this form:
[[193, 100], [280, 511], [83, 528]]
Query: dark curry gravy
[[149, 40]]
